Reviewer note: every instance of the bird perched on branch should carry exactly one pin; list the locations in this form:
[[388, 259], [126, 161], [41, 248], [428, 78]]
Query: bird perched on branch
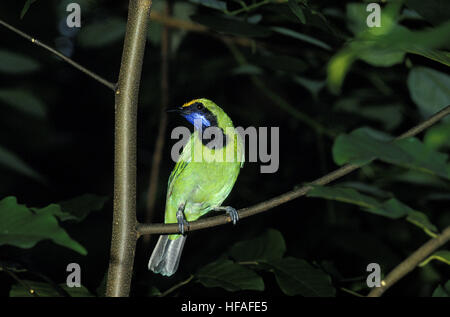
[[201, 180]]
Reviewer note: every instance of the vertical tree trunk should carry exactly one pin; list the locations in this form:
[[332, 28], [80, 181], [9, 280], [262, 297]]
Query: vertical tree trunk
[[124, 235]]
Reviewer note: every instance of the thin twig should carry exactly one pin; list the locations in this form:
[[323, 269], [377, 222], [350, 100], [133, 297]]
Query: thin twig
[[189, 26], [177, 286], [123, 242], [24, 284], [411, 262], [351, 292], [83, 69], [175, 23], [162, 228]]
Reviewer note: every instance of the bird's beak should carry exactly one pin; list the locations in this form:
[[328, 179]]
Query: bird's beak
[[178, 109]]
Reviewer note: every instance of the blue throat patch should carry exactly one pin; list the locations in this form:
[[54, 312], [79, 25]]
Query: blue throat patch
[[198, 120]]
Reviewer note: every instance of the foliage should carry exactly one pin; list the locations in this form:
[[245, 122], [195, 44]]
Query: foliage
[[340, 92]]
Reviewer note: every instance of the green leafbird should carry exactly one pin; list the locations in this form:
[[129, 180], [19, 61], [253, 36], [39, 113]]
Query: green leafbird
[[202, 178]]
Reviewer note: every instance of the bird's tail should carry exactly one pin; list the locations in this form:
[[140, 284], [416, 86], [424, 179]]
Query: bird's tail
[[166, 255]]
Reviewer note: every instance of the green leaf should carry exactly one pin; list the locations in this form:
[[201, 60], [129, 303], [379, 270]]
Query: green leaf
[[438, 136], [79, 208], [102, 33], [359, 147], [301, 37], [25, 8], [213, 4], [297, 10], [391, 208], [436, 55], [442, 290], [154, 292], [417, 178], [421, 220], [356, 17], [337, 69], [346, 195], [24, 101], [313, 86], [46, 290], [23, 228], [390, 115], [298, 277], [429, 89], [441, 255], [229, 276], [267, 246], [247, 69], [75, 209], [15, 63], [382, 57], [366, 188], [13, 162], [424, 158], [428, 38], [385, 45]]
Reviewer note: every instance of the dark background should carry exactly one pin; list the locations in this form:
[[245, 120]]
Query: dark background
[[72, 146]]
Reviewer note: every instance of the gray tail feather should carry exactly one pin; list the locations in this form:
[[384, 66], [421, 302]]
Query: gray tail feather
[[166, 255]]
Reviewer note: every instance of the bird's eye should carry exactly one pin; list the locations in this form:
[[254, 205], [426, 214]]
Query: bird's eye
[[199, 106]]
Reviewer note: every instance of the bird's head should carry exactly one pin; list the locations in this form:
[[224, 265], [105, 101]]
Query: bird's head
[[203, 113]]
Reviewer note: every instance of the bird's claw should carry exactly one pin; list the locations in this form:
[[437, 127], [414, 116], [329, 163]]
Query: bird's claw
[[181, 221], [234, 215]]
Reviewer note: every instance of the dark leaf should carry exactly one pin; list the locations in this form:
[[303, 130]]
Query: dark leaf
[[79, 208], [25, 8], [297, 10], [442, 290], [229, 276], [13, 162], [429, 89], [269, 245], [23, 228], [15, 63], [298, 277], [23, 101]]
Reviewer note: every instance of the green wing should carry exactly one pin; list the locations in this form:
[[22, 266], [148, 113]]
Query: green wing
[[179, 167], [182, 162]]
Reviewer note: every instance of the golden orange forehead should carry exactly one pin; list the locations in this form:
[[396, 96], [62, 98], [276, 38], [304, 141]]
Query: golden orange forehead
[[187, 104]]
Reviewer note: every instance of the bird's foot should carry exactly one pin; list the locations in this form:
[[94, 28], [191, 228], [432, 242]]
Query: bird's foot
[[182, 222], [233, 213]]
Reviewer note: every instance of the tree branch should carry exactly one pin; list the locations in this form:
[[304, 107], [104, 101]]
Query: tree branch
[[411, 262], [175, 23], [162, 228], [189, 26], [124, 234], [33, 40]]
